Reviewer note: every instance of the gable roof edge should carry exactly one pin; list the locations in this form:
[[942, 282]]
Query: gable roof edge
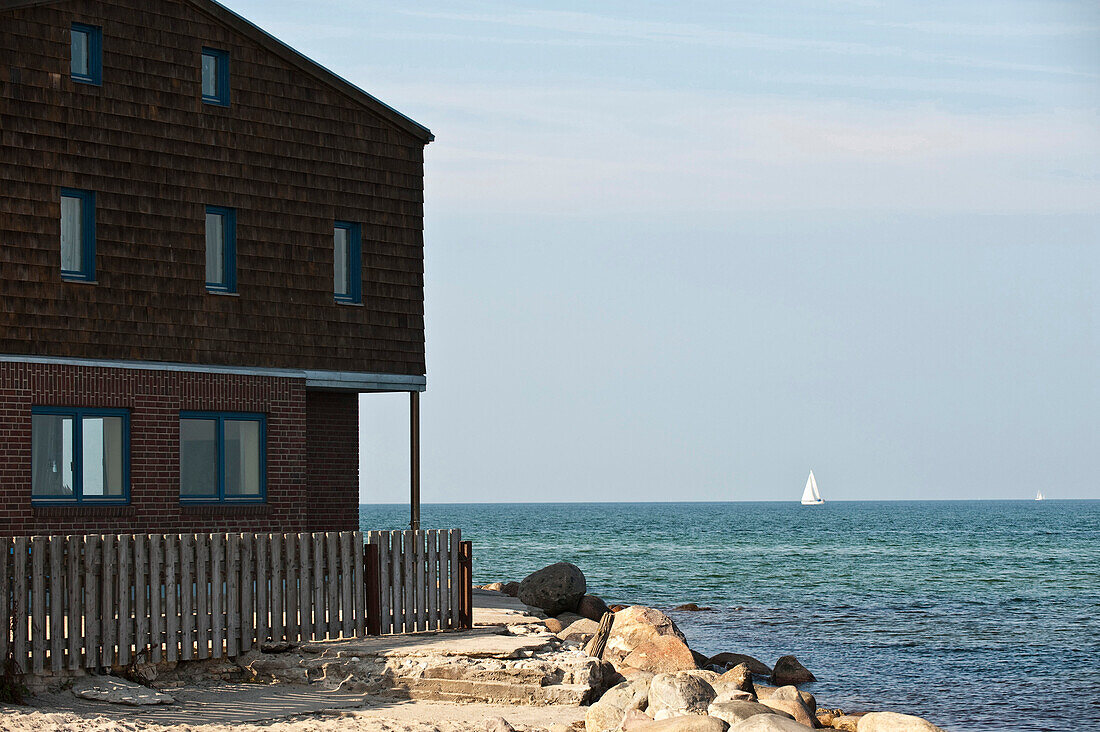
[[257, 34]]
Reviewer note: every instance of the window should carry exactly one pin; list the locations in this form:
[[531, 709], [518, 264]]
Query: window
[[86, 61], [221, 249], [222, 457], [347, 265], [215, 77], [77, 235], [80, 455]]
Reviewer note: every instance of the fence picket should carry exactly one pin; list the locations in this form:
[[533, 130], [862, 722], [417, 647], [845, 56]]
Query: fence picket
[[456, 578], [319, 621], [305, 587], [141, 597], [156, 594], [233, 595], [217, 595], [357, 585], [290, 546], [203, 621], [433, 578], [248, 586], [263, 553], [347, 625], [125, 623], [19, 594], [277, 624], [171, 608], [7, 612], [38, 604], [187, 597], [397, 580]]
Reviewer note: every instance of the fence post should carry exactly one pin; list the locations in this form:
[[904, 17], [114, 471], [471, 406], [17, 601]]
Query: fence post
[[466, 580], [372, 580]]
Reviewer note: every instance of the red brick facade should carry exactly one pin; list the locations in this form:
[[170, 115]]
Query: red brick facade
[[320, 428]]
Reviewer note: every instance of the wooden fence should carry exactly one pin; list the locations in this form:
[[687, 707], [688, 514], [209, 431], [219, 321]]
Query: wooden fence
[[424, 580], [112, 600]]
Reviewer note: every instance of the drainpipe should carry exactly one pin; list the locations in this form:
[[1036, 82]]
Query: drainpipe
[[414, 467]]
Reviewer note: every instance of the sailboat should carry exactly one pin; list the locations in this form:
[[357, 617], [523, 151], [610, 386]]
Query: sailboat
[[1039, 495], [811, 496]]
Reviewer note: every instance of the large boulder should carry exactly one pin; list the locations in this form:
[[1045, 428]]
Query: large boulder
[[847, 722], [793, 693], [581, 630], [636, 625], [739, 677], [894, 722], [737, 711], [769, 723], [729, 660], [789, 671], [511, 589], [679, 693], [795, 709], [607, 713], [555, 589], [664, 654], [592, 607], [691, 723]]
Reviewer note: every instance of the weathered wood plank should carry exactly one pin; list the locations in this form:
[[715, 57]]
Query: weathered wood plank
[[305, 586], [248, 588], [108, 605], [233, 595], [57, 604], [332, 596], [292, 629], [358, 585], [432, 537], [171, 603], [39, 648], [217, 595], [74, 606], [347, 585], [19, 601], [278, 626], [421, 580], [381, 539], [397, 580], [6, 608], [263, 597], [456, 576], [125, 621], [443, 541], [187, 597], [409, 573], [157, 629], [320, 625], [141, 597], [203, 622]]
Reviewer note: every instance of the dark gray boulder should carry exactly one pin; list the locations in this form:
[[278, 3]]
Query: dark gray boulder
[[592, 607], [554, 589], [789, 671]]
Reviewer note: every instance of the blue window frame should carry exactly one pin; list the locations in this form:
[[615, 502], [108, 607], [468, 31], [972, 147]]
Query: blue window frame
[[77, 235], [223, 457], [80, 455], [221, 249], [347, 262], [86, 59], [215, 77]]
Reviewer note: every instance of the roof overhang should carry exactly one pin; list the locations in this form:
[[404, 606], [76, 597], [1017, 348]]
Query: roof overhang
[[357, 381], [253, 32]]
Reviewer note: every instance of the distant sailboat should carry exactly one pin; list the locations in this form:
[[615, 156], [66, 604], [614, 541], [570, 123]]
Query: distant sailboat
[[811, 496], [1039, 496]]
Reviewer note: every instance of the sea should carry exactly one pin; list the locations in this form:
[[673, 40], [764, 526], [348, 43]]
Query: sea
[[977, 615]]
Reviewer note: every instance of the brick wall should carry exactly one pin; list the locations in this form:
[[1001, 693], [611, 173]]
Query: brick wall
[[332, 460], [155, 399]]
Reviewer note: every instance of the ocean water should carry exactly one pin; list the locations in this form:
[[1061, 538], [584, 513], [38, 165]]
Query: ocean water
[[976, 615]]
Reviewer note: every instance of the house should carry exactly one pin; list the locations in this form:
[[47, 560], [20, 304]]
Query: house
[[211, 246]]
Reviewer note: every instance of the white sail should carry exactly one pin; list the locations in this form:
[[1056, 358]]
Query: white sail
[[811, 496], [1039, 496]]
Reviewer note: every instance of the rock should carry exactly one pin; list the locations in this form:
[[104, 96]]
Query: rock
[[555, 589], [691, 723], [510, 588], [768, 723], [560, 727], [663, 654], [114, 690], [607, 713], [793, 693], [277, 646], [493, 586], [847, 722], [554, 625], [739, 677], [498, 724], [795, 709], [789, 671], [730, 694], [617, 608], [633, 718], [735, 659], [691, 607], [581, 630], [737, 711], [700, 659], [636, 625], [681, 692], [592, 607], [894, 722], [144, 673]]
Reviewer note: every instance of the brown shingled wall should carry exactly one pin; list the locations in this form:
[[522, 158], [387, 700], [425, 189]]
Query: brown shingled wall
[[290, 154]]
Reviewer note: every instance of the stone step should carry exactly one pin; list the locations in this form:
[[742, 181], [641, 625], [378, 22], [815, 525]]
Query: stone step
[[489, 691]]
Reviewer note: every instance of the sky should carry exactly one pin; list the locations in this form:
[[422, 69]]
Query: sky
[[689, 251]]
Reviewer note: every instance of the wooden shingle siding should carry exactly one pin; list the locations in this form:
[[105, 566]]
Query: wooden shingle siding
[[290, 154]]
